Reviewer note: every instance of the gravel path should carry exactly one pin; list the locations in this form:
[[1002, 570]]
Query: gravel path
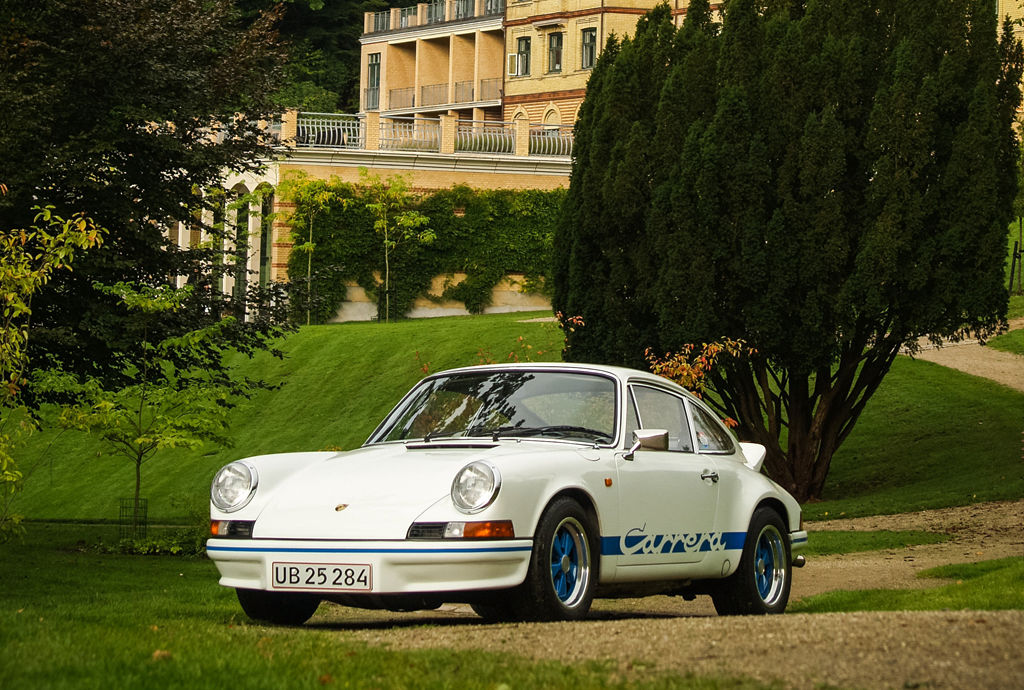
[[1006, 368], [933, 649]]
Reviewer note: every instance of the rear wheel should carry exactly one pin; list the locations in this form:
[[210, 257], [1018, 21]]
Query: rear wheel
[[560, 582], [762, 581], [279, 608]]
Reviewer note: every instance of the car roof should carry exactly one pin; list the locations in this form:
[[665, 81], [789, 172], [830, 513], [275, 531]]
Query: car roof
[[623, 374]]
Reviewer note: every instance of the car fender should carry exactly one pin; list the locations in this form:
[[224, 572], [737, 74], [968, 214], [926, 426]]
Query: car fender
[[528, 485], [755, 490]]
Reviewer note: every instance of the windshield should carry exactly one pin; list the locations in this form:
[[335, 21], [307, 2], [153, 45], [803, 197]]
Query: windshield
[[500, 404]]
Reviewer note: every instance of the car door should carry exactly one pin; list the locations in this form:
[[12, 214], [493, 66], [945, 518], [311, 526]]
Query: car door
[[667, 499]]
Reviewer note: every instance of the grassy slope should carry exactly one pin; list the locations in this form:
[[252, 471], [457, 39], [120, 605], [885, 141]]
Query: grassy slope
[[339, 382], [1009, 342], [930, 437]]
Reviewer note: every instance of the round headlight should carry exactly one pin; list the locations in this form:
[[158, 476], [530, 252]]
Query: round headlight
[[233, 486], [475, 487]]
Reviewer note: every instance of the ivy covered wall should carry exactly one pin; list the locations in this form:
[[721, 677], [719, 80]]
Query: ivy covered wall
[[486, 234]]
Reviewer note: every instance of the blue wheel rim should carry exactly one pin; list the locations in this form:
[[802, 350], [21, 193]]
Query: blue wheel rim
[[569, 562], [769, 565]]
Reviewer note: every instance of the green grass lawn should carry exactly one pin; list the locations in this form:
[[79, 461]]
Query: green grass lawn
[[72, 618], [930, 437], [1009, 342], [988, 585]]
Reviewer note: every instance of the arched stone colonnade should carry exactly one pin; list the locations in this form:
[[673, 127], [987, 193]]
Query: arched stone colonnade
[[254, 238]]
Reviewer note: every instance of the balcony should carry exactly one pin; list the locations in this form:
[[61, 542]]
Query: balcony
[[401, 98], [433, 94], [431, 13], [330, 131], [441, 135]]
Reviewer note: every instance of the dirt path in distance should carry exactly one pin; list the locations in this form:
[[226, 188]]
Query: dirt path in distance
[[1006, 368]]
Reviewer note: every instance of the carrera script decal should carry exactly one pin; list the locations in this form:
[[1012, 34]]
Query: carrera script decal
[[637, 542]]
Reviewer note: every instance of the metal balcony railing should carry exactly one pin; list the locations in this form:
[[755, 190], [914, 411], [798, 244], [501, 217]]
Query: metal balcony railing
[[330, 130], [462, 9], [492, 7], [463, 91], [410, 134], [477, 136], [435, 12], [402, 98], [407, 17], [382, 21], [490, 89], [433, 94], [344, 131], [550, 140]]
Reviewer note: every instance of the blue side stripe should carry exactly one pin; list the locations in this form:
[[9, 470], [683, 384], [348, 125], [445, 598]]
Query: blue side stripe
[[647, 544], [255, 549]]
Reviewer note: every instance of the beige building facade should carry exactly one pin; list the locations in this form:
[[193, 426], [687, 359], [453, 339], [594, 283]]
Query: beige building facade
[[490, 60], [472, 92]]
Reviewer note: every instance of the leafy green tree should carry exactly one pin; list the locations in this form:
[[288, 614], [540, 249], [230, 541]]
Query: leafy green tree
[[839, 187], [28, 259], [169, 404], [394, 220], [129, 109], [313, 198]]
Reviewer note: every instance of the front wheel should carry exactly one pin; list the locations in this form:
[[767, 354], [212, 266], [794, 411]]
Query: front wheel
[[762, 581], [560, 582], [279, 608]]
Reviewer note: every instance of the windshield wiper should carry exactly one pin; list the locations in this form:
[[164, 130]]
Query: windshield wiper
[[559, 430], [440, 434]]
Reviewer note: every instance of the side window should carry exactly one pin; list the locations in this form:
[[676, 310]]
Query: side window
[[711, 436], [660, 410]]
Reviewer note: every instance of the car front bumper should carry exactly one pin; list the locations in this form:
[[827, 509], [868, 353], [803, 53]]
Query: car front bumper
[[395, 567]]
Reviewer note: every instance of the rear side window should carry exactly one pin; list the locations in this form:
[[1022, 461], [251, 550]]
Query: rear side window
[[711, 435]]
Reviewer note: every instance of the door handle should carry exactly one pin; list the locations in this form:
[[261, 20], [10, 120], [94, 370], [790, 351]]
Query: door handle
[[709, 474]]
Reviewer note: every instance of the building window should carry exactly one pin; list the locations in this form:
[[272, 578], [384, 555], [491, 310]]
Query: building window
[[523, 56], [555, 52], [589, 43], [373, 81]]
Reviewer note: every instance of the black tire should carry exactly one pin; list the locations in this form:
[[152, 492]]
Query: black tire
[[562, 574], [279, 608], [763, 579]]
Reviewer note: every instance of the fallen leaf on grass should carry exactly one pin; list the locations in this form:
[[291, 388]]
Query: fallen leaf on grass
[[160, 655]]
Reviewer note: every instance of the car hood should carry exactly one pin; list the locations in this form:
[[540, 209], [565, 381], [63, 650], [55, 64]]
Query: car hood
[[369, 493]]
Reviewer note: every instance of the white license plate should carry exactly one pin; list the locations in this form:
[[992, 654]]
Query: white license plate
[[321, 576]]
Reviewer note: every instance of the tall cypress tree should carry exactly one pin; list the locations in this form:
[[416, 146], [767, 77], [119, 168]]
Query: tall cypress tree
[[839, 187]]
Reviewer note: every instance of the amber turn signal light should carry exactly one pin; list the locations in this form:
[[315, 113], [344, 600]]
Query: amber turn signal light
[[496, 529]]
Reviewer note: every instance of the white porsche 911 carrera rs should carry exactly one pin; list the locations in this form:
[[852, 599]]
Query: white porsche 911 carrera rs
[[524, 490]]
